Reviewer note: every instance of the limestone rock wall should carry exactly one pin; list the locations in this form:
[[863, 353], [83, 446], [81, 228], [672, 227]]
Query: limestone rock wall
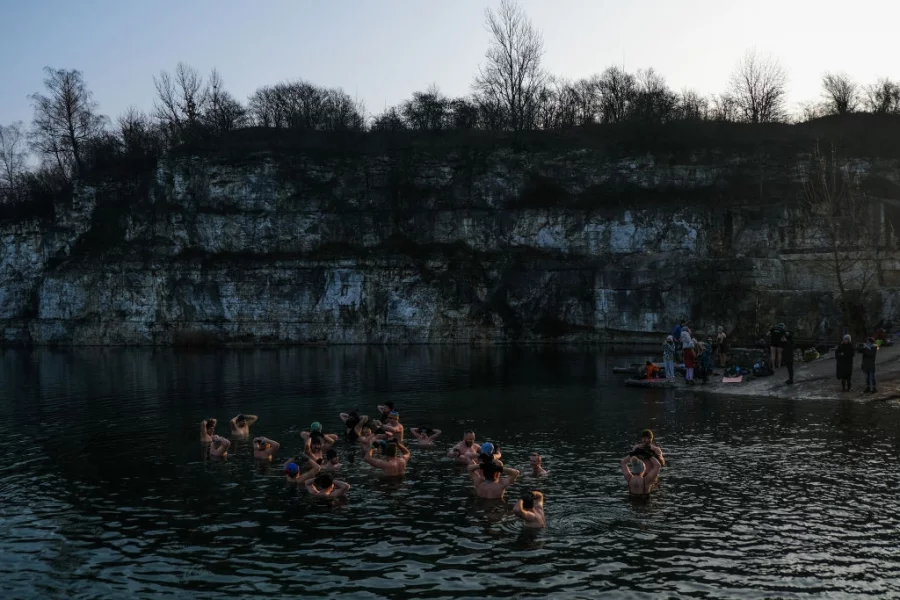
[[411, 247]]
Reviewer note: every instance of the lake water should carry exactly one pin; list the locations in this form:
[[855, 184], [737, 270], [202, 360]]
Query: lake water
[[106, 492]]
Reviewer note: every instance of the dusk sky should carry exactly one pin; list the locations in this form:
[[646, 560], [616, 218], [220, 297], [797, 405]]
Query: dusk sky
[[382, 51]]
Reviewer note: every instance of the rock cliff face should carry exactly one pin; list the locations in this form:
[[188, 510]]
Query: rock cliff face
[[460, 245]]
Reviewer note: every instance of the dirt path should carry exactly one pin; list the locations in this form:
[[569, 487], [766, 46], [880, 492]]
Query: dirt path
[[816, 380]]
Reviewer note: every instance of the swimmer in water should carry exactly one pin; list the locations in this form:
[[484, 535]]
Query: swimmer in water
[[385, 410], [489, 453], [531, 510], [466, 451], [488, 481], [351, 425], [537, 465], [292, 472], [641, 481], [264, 448], [647, 444], [326, 486], [314, 448], [207, 430], [240, 425], [394, 458], [316, 428], [393, 426], [425, 436], [218, 447], [332, 462]]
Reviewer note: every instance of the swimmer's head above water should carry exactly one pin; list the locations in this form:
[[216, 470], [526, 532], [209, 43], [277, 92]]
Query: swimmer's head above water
[[535, 459], [528, 500], [292, 470], [469, 438], [647, 437], [324, 481]]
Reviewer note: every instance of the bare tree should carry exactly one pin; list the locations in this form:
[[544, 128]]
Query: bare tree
[[840, 92], [181, 100], [512, 78], [691, 106], [65, 120], [758, 86], [617, 89], [883, 97], [723, 108], [224, 113], [12, 160], [427, 111], [840, 219], [652, 100]]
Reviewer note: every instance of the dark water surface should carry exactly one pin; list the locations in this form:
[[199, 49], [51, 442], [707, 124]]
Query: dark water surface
[[106, 493]]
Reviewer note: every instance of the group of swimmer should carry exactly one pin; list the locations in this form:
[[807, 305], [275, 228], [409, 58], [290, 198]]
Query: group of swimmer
[[382, 445]]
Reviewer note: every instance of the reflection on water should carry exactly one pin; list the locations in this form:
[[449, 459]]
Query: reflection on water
[[106, 492]]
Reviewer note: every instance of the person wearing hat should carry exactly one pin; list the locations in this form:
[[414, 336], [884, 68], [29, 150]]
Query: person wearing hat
[[292, 470], [218, 447], [640, 479], [843, 359], [869, 351], [393, 426], [315, 429], [240, 425], [264, 448], [531, 510]]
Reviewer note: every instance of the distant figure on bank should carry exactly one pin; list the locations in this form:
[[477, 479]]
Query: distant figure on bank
[[704, 361], [240, 425], [537, 465], [869, 351], [326, 486], [207, 429], [641, 481], [787, 355], [721, 347], [776, 342], [843, 358], [531, 510], [488, 481], [466, 451], [647, 443], [690, 362], [264, 448], [669, 357], [395, 456], [425, 436], [218, 447], [651, 370]]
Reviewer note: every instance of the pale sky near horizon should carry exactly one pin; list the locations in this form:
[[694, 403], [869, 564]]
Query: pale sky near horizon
[[382, 51]]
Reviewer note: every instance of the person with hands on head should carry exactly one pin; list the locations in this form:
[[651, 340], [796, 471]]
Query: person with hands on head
[[240, 424], [292, 470], [218, 447], [393, 426], [531, 510], [395, 457], [425, 436], [641, 481], [385, 410], [329, 439], [207, 430], [326, 486], [488, 481], [264, 448], [648, 444]]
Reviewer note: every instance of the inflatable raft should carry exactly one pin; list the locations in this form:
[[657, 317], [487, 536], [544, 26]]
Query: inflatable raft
[[639, 369]]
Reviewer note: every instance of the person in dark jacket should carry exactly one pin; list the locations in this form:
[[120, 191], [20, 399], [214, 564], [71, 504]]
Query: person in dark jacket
[[844, 358], [776, 341], [869, 351], [787, 355]]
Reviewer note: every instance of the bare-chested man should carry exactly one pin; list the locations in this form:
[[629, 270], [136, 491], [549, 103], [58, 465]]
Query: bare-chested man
[[326, 486], [647, 444], [537, 465], [466, 451], [488, 481], [531, 510], [218, 447], [240, 425], [292, 470], [394, 427], [207, 430], [425, 436], [640, 483], [395, 457], [264, 448]]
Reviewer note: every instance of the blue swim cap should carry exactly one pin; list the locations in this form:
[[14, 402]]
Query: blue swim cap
[[487, 448], [292, 468], [316, 426]]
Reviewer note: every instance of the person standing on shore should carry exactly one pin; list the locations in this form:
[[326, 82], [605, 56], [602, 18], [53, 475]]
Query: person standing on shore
[[843, 357], [776, 341], [787, 356], [721, 347], [690, 361], [869, 351], [669, 357]]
